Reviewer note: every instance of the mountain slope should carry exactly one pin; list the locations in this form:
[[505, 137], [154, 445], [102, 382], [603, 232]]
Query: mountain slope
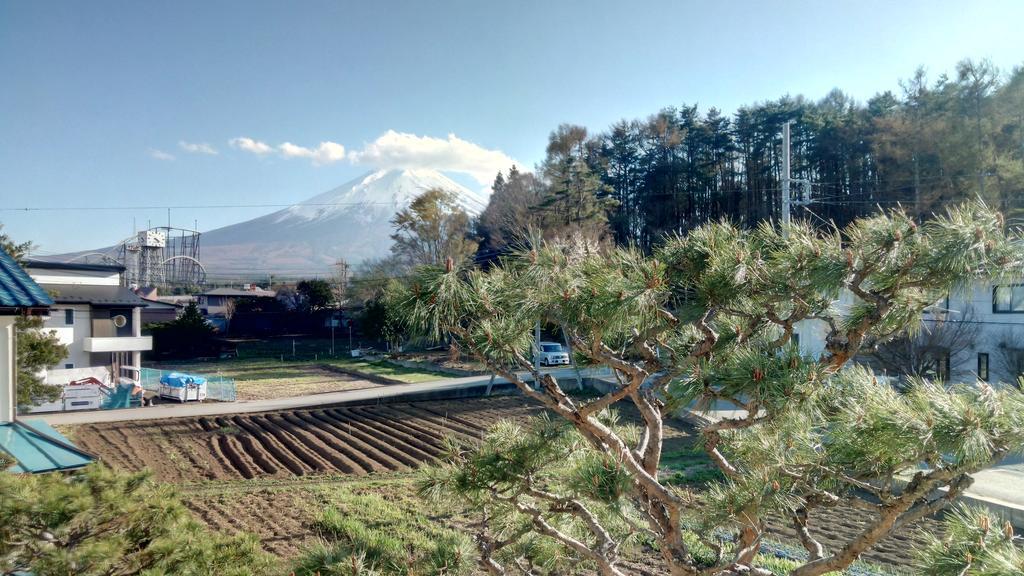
[[351, 221]]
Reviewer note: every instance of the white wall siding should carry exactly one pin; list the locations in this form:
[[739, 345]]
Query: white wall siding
[[73, 336], [996, 331], [85, 278]]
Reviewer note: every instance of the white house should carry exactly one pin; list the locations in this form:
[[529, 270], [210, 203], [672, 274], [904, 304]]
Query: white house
[[32, 444], [994, 314], [95, 316], [217, 301]]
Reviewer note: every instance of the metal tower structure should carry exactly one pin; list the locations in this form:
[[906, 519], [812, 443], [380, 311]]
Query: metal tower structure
[[163, 256]]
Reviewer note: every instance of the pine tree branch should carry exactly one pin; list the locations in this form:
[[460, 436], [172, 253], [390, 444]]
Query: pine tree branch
[[814, 548]]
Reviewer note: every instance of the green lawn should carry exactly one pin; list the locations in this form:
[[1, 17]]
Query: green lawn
[[387, 370], [266, 364]]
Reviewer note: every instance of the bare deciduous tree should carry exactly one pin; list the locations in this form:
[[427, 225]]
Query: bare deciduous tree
[[934, 349]]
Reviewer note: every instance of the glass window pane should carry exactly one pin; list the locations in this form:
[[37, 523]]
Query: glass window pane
[[1002, 298], [1018, 298]]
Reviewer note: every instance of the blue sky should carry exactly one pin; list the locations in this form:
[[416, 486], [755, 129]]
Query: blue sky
[[111, 103]]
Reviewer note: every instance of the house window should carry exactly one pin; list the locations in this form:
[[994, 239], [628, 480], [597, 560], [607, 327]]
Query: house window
[[983, 367], [1008, 299], [1014, 361], [940, 306], [69, 317], [936, 364], [69, 365]]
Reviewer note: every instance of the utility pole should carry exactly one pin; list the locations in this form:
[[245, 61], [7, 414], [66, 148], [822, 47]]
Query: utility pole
[[785, 177], [342, 275], [536, 348]]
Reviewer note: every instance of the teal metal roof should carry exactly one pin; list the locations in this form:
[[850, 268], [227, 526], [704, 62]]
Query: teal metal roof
[[39, 448], [17, 288]]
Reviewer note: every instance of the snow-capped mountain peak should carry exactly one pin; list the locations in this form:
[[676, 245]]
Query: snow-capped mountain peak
[[380, 191], [352, 221]]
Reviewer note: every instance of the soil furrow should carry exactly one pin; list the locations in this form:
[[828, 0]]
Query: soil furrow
[[439, 422], [270, 445], [448, 415], [379, 441], [386, 434], [229, 449], [292, 444], [379, 459], [430, 438], [333, 450], [251, 449], [314, 443], [94, 441]]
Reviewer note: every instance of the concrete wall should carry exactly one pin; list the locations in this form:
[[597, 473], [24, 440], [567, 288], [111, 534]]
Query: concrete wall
[[86, 277], [63, 376]]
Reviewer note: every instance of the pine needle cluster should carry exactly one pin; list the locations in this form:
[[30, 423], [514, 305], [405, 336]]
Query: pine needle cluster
[[709, 319]]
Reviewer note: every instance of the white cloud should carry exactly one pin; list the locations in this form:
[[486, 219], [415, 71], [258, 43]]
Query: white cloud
[[160, 155], [250, 145], [197, 148], [326, 153], [402, 150]]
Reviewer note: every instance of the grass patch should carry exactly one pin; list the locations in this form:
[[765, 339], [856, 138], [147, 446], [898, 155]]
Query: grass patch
[[274, 369], [227, 431], [387, 370], [367, 533]]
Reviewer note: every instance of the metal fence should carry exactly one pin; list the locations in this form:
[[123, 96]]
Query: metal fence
[[217, 387]]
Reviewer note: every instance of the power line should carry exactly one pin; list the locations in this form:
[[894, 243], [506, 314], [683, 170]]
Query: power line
[[185, 206]]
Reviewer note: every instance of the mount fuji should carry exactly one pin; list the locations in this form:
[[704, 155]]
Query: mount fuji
[[351, 221]]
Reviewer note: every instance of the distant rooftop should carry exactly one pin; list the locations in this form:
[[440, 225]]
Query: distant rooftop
[[17, 289], [161, 304], [256, 292], [94, 295], [48, 265]]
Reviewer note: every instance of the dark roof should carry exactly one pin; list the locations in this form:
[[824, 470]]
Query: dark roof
[[257, 293], [17, 288], [95, 295], [48, 265], [161, 305]]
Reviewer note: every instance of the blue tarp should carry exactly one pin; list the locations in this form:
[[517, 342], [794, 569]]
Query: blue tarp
[[179, 380], [39, 448]]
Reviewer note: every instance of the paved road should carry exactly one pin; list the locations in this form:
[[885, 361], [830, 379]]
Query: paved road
[[220, 408]]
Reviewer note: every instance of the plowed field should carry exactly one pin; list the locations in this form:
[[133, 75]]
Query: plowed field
[[349, 440], [269, 473]]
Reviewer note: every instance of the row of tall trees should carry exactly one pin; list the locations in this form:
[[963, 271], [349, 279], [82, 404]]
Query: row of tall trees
[[933, 142]]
